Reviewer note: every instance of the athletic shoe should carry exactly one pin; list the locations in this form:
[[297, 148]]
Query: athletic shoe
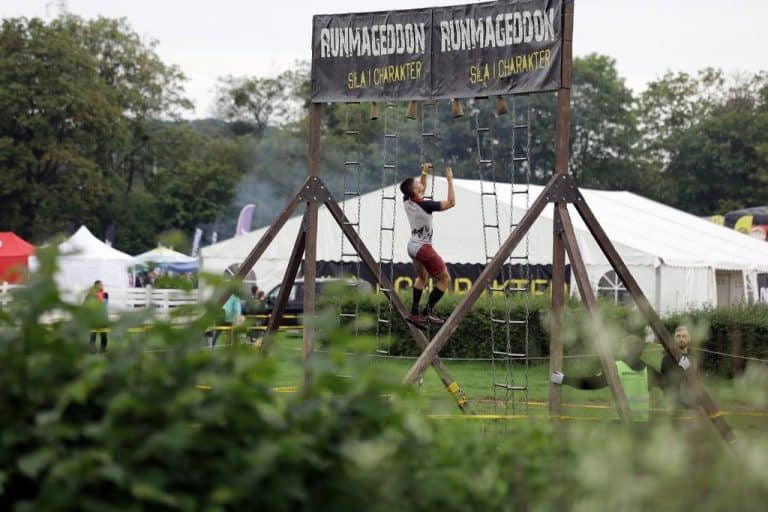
[[417, 320], [432, 319]]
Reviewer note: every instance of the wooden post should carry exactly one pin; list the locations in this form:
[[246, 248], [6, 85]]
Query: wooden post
[[562, 151], [704, 399], [310, 250], [579, 271], [287, 284], [491, 269]]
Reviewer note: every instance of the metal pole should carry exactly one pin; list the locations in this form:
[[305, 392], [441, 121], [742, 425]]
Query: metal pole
[[310, 257], [562, 150]]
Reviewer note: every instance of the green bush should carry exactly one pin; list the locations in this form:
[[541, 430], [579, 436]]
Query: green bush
[[187, 428], [739, 330]]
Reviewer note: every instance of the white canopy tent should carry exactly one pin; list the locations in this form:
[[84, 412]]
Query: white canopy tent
[[679, 260], [85, 259], [168, 258]]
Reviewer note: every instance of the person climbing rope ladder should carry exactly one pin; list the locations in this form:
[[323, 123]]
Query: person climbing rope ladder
[[426, 261]]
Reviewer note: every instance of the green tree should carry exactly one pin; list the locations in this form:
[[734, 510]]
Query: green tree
[[74, 107]]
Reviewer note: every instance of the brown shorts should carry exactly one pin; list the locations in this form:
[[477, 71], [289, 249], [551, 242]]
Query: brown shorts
[[433, 263]]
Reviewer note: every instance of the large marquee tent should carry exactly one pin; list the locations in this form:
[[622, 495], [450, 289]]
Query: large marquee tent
[[680, 260]]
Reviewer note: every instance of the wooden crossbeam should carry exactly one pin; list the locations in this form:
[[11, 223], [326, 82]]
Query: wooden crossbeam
[[441, 339], [603, 346], [667, 341]]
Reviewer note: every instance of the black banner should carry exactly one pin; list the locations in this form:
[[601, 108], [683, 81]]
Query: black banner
[[504, 47], [537, 280]]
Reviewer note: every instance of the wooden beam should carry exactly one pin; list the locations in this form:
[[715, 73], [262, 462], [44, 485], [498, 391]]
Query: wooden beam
[[669, 344], [579, 271], [562, 153], [310, 249], [388, 288], [491, 269], [287, 284], [267, 238], [558, 302]]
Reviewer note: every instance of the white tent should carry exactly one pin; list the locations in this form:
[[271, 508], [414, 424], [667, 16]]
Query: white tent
[[679, 260], [85, 259], [168, 258]]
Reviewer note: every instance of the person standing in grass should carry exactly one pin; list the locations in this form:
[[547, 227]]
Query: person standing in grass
[[637, 378], [97, 295], [233, 310]]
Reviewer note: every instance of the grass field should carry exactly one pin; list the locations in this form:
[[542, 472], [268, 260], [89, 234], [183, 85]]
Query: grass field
[[742, 410]]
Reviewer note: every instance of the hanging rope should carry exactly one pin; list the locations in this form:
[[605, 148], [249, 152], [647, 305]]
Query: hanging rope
[[387, 223], [350, 260]]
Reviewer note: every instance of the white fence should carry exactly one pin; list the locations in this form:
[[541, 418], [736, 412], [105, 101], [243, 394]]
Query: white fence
[[126, 299]]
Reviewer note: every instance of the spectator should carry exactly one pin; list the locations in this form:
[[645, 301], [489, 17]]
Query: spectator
[[233, 310], [632, 374], [671, 378], [97, 294]]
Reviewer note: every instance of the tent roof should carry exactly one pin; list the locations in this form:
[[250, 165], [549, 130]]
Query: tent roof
[[13, 245], [84, 246], [645, 232], [163, 255]]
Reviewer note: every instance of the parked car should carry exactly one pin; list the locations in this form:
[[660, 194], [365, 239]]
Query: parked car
[[294, 308]]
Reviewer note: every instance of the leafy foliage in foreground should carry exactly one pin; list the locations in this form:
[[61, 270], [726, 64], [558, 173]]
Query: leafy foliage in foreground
[[186, 428]]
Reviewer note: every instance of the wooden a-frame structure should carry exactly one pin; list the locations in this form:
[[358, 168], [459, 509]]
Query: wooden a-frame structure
[[561, 191]]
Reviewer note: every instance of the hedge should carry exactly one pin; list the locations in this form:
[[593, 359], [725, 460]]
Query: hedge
[[739, 330]]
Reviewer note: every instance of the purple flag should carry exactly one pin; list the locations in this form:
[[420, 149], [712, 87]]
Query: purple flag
[[244, 221]]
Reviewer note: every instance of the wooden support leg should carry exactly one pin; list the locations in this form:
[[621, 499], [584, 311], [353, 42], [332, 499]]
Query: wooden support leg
[[310, 275], [388, 288], [705, 400], [555, 334], [491, 269], [287, 284], [579, 271]]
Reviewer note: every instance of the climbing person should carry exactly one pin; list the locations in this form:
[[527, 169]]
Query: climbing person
[[426, 261]]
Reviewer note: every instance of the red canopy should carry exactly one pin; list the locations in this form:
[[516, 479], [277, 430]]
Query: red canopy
[[14, 257]]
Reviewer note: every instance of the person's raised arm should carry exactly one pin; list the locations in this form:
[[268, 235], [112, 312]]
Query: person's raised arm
[[450, 202], [426, 168]]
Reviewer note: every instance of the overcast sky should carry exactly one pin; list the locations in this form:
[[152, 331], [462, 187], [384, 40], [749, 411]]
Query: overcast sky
[[208, 39]]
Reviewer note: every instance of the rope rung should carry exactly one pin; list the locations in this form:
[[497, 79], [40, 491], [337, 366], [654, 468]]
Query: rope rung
[[489, 226], [352, 132], [348, 193], [520, 159], [383, 320], [348, 315], [520, 126], [510, 387], [485, 161], [508, 322], [390, 135], [483, 129], [511, 355], [390, 166], [352, 162]]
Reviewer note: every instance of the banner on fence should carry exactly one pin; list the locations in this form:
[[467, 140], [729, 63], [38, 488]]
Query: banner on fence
[[483, 49], [537, 281]]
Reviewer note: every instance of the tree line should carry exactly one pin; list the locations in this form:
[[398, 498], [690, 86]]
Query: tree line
[[93, 131]]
